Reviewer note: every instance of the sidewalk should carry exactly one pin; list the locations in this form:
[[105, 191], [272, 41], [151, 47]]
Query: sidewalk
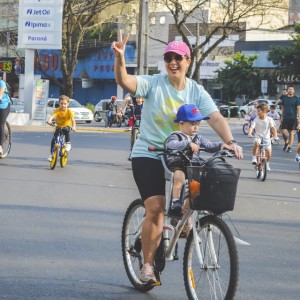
[[99, 127]]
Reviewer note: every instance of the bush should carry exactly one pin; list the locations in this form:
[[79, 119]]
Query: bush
[[90, 106]]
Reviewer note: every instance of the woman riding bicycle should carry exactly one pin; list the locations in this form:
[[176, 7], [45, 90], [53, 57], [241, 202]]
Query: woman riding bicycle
[[163, 95], [4, 110]]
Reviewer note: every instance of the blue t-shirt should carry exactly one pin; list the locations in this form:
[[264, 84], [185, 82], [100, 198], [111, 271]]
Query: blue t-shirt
[[161, 102], [290, 107], [5, 100]]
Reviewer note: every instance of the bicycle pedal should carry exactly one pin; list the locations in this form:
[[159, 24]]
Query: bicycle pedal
[[175, 257]]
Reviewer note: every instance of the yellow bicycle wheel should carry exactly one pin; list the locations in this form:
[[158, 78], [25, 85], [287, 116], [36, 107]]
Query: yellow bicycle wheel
[[54, 159], [64, 157]]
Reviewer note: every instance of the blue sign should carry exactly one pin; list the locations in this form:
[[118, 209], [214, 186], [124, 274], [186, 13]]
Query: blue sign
[[99, 65]]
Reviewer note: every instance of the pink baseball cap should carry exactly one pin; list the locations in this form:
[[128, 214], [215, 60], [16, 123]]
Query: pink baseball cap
[[178, 47]]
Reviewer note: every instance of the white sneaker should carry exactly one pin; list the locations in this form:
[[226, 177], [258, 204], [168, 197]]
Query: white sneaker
[[50, 157], [147, 275], [1, 150], [68, 146], [268, 166], [297, 158], [254, 161]]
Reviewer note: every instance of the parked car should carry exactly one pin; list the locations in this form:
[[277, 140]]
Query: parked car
[[219, 102], [17, 106], [81, 113], [100, 109], [248, 107], [225, 108]]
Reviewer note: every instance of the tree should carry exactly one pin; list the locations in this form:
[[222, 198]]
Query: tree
[[215, 25], [240, 78], [288, 58], [80, 17]]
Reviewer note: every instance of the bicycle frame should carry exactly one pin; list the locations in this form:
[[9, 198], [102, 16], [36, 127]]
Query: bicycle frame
[[170, 244], [59, 142], [261, 170]]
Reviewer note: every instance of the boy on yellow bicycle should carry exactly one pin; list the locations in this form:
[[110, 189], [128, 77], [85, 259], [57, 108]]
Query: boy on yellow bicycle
[[64, 118]]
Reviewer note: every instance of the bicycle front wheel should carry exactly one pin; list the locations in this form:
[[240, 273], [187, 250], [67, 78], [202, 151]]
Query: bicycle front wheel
[[263, 172], [217, 276], [132, 244], [7, 141], [64, 157], [54, 159], [246, 128]]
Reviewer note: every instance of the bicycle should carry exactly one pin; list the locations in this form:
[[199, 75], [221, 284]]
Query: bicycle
[[135, 130], [247, 125], [6, 147], [59, 149], [261, 160], [210, 264]]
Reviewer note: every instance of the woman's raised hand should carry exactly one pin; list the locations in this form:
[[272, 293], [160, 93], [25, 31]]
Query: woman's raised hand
[[119, 46]]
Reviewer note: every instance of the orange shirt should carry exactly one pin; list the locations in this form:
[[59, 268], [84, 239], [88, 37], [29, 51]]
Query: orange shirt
[[63, 119]]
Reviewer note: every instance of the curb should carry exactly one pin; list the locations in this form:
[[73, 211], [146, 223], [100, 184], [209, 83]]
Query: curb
[[41, 128]]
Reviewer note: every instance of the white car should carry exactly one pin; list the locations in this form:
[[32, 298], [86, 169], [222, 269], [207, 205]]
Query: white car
[[81, 113], [100, 109], [248, 107]]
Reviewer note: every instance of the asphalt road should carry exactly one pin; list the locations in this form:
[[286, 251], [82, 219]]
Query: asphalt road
[[60, 229]]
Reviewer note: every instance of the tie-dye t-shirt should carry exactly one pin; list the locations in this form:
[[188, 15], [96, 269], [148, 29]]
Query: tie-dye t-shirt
[[161, 102]]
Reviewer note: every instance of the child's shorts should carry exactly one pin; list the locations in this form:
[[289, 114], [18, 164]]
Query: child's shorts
[[266, 141]]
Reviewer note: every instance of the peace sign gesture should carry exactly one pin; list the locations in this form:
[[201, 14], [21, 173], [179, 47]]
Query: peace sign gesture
[[119, 46]]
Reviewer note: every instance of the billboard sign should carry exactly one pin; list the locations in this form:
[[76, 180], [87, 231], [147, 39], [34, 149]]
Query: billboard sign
[[40, 24]]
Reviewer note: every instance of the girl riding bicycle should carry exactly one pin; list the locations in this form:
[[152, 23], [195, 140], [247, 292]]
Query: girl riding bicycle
[[64, 118], [4, 111]]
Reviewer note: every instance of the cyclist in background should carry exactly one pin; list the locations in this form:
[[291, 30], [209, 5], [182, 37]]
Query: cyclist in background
[[64, 118], [273, 113], [263, 126], [163, 94], [112, 110], [4, 110], [253, 112], [297, 157]]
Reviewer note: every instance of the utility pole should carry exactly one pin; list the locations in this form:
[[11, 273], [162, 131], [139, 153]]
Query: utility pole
[[142, 59]]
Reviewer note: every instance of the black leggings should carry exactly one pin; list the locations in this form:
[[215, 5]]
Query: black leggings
[[66, 132], [4, 112], [149, 176]]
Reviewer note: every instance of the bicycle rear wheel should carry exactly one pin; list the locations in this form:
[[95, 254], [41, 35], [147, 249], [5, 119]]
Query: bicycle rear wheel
[[7, 140], [132, 244], [64, 157], [263, 172], [54, 159], [217, 277]]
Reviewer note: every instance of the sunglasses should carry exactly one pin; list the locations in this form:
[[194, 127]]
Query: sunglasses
[[169, 57]]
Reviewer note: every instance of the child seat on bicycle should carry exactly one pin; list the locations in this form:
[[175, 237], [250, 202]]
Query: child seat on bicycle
[[189, 140]]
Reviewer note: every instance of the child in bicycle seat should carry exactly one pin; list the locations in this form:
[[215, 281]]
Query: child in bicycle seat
[[273, 113], [64, 118], [253, 112], [263, 126], [186, 139]]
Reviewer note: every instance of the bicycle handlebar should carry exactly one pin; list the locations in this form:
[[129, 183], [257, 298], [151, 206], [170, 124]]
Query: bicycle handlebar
[[175, 152], [53, 125]]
